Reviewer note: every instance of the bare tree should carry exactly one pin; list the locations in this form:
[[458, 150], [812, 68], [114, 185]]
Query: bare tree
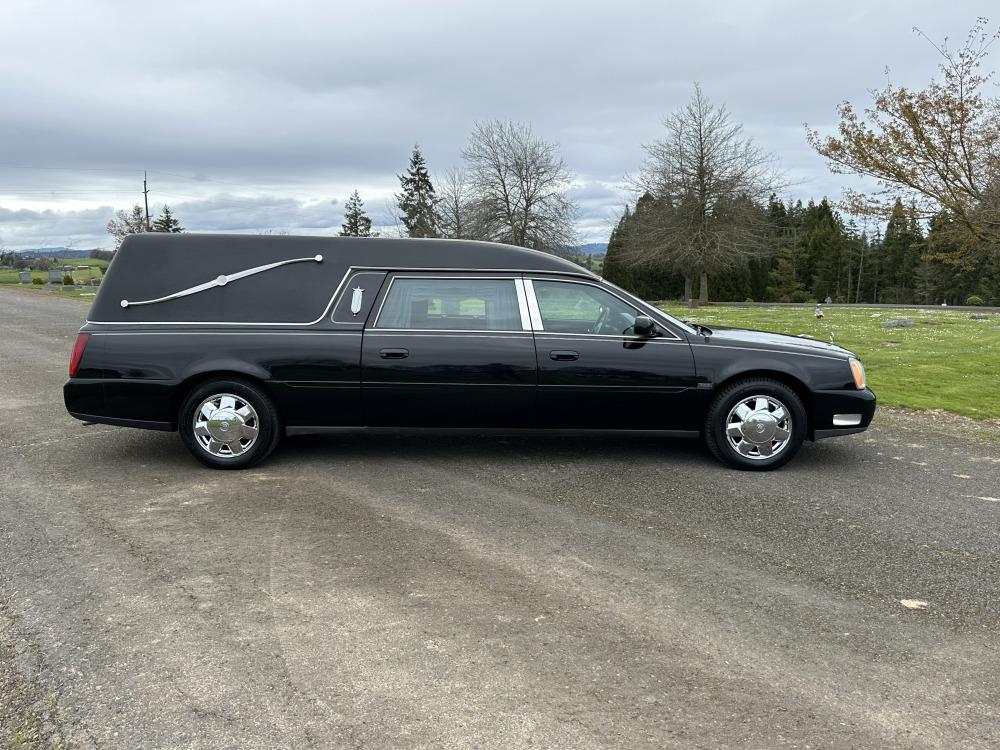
[[707, 181], [125, 223], [518, 184], [459, 216]]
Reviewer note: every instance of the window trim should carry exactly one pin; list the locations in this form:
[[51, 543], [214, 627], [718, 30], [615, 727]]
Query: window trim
[[539, 327], [518, 290]]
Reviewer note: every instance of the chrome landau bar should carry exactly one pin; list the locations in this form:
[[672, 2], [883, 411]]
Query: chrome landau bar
[[221, 281]]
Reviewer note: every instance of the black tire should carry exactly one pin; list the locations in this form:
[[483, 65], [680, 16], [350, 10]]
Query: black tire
[[771, 452], [246, 448]]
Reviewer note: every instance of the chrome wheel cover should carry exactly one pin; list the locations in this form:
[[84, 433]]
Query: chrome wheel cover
[[225, 425], [758, 427]]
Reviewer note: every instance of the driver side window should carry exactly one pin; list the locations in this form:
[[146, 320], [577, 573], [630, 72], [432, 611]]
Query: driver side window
[[580, 308]]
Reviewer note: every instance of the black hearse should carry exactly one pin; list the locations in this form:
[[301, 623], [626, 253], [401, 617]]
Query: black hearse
[[236, 341]]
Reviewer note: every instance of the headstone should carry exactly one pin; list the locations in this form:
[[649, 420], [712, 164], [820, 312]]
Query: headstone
[[55, 277], [898, 323], [979, 316], [24, 277], [96, 281]]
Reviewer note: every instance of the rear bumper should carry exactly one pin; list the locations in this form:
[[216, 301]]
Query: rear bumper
[[836, 413], [138, 403]]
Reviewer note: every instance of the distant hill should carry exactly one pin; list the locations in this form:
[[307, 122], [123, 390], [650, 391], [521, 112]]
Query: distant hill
[[54, 252], [592, 248]]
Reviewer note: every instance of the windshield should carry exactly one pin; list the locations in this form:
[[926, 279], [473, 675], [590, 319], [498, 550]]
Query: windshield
[[659, 313]]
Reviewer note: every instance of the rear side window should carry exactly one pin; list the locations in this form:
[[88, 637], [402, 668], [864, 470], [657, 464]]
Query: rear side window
[[450, 304]]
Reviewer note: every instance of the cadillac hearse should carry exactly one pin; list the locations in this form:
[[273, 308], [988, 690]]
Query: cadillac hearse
[[236, 341]]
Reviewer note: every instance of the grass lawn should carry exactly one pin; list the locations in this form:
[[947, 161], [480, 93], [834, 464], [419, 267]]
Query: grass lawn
[[945, 361]]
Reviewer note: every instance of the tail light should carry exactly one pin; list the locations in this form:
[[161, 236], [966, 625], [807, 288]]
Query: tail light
[[77, 355]]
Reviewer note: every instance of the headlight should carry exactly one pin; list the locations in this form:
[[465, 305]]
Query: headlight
[[858, 371]]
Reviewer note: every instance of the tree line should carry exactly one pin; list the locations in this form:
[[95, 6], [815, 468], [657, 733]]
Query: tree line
[[813, 256]]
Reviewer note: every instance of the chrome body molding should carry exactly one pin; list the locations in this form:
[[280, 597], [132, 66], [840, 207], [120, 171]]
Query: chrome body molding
[[583, 274], [534, 314], [221, 281], [522, 304]]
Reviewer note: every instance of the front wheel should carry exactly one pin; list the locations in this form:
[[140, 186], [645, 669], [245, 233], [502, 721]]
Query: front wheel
[[229, 424], [756, 424]]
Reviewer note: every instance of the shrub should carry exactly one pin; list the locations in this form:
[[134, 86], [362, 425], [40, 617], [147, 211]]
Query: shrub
[[800, 295], [37, 281], [67, 280], [749, 300], [974, 299]]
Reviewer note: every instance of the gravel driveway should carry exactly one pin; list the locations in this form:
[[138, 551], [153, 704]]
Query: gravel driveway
[[448, 591]]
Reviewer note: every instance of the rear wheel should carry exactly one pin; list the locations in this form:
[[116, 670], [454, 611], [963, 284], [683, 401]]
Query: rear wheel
[[756, 424], [229, 424]]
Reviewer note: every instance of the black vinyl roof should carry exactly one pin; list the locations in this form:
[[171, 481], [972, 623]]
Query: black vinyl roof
[[156, 265]]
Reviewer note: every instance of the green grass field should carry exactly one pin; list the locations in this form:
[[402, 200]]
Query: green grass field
[[945, 361]]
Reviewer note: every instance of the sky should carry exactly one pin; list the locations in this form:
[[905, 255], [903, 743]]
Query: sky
[[251, 116]]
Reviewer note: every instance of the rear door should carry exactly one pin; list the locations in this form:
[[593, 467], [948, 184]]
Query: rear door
[[449, 350]]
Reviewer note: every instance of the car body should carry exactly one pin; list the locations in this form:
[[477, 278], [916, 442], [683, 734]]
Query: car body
[[305, 334]]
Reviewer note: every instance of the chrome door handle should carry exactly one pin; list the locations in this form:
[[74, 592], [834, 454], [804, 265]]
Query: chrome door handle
[[394, 353], [564, 355]]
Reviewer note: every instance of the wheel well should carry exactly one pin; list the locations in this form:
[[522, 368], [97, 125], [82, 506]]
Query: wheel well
[[188, 385], [800, 388]]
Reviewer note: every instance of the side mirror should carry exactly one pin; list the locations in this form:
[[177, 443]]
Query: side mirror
[[644, 326]]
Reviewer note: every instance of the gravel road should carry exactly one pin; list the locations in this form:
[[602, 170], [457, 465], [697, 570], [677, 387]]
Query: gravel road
[[457, 592]]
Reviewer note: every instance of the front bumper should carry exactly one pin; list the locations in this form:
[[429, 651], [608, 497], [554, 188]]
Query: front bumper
[[836, 413]]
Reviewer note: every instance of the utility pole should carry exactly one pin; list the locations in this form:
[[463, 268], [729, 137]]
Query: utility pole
[[145, 196]]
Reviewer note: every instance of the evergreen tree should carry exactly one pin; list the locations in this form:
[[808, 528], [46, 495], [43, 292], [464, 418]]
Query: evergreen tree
[[636, 262], [782, 282], [615, 269], [418, 201], [900, 254], [356, 221], [824, 242], [989, 281], [167, 222]]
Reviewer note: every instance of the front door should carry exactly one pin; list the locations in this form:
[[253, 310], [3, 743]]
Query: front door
[[593, 371], [449, 351]]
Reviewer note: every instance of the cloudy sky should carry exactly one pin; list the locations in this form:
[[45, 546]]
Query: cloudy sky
[[265, 115]]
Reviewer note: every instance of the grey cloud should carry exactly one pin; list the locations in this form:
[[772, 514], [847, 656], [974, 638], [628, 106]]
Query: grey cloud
[[302, 100], [43, 228]]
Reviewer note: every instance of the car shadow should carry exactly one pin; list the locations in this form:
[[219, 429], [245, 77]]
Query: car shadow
[[487, 446], [472, 445]]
